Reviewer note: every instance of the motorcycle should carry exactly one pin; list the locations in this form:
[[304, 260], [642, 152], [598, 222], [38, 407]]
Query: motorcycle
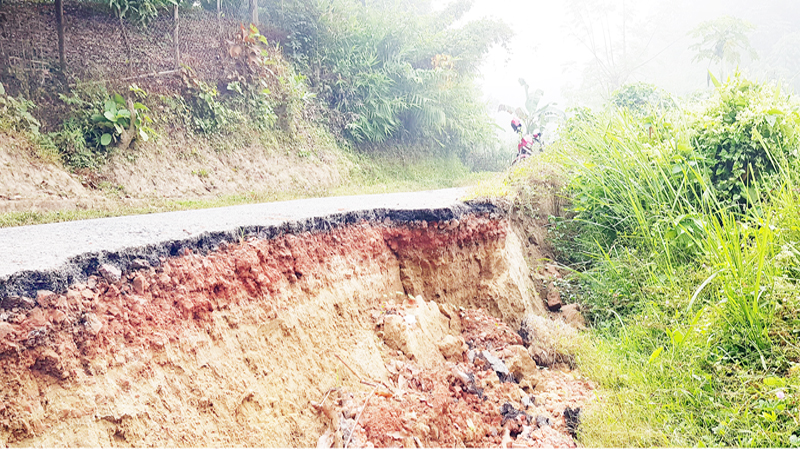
[[527, 145]]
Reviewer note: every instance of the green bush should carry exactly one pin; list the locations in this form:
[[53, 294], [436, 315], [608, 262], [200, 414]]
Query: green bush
[[693, 301], [15, 114], [642, 99], [745, 132]]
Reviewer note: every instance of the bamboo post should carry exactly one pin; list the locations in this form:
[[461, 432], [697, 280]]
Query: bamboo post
[[219, 18]]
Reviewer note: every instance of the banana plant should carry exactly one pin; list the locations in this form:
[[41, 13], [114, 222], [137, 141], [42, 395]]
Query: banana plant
[[534, 116]]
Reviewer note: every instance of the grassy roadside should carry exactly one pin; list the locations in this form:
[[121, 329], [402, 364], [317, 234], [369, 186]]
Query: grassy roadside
[[689, 273], [369, 175]]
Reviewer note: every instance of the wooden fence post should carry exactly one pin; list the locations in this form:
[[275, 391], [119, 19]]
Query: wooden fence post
[[175, 38]]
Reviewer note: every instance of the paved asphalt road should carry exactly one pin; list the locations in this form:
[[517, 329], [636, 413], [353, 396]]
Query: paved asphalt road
[[37, 249]]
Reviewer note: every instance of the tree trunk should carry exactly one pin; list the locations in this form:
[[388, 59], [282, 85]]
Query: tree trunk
[[254, 12], [127, 136], [60, 24]]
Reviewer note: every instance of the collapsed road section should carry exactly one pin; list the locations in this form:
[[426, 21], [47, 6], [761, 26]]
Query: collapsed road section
[[407, 319]]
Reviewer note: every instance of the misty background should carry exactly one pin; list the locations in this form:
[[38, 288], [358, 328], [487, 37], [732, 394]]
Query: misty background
[[579, 51]]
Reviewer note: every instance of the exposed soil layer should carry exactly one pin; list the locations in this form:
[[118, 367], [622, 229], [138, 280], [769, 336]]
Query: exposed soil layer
[[236, 345], [20, 284]]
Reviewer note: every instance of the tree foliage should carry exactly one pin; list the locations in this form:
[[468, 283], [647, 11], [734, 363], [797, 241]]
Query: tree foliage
[[722, 41], [140, 12], [392, 69], [642, 99], [533, 114]]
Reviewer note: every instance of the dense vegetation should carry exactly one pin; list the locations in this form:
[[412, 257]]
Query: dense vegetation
[[375, 74], [684, 241], [393, 70]]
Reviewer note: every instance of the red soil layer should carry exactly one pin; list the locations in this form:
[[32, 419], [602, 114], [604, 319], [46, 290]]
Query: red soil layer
[[57, 340]]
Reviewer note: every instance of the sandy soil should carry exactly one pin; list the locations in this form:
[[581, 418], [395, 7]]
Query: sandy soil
[[172, 169], [28, 183]]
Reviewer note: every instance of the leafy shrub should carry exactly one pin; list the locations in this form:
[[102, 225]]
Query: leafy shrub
[[140, 12], [15, 113], [264, 90], [642, 99], [97, 120], [745, 132], [209, 115], [117, 121]]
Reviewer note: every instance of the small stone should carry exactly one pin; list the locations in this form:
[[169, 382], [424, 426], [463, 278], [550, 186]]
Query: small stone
[[522, 367], [91, 283], [139, 263], [542, 421], [452, 347], [553, 299], [111, 273], [45, 298], [36, 318], [139, 284], [526, 401], [93, 324], [572, 315], [57, 316], [497, 365]]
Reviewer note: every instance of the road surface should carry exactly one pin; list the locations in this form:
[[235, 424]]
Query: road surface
[[53, 256]]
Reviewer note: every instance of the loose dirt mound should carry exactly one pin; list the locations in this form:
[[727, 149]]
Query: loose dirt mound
[[488, 393], [234, 348], [28, 183]]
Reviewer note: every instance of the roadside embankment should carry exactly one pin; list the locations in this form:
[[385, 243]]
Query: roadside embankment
[[265, 330]]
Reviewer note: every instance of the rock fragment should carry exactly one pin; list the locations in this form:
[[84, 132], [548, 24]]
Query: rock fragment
[[497, 365], [111, 273], [452, 347], [522, 367], [553, 299], [139, 284], [510, 413], [572, 418], [572, 315], [542, 421], [93, 324]]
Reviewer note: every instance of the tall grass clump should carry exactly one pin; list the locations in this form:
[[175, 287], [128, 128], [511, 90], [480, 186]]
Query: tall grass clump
[[687, 222]]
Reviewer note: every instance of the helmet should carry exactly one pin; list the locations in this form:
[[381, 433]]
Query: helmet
[[516, 125]]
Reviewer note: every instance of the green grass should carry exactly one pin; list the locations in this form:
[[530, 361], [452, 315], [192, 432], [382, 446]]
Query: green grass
[[685, 295], [399, 169], [692, 299]]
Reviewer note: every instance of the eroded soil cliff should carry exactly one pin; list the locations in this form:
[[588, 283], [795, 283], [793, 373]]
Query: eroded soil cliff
[[383, 333]]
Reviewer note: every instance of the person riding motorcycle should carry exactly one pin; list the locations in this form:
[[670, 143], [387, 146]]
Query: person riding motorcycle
[[526, 142]]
